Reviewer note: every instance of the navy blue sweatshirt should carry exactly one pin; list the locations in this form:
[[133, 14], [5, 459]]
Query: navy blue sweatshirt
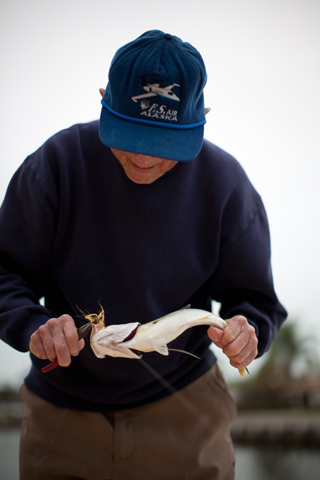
[[75, 230]]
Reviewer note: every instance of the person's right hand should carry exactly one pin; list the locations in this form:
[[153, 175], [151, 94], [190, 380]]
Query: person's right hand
[[56, 340]]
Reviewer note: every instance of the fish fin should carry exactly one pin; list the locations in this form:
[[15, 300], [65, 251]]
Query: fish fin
[[96, 351], [185, 308], [161, 347], [131, 354], [183, 351]]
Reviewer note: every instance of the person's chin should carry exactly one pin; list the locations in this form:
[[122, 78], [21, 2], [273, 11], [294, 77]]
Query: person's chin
[[142, 175]]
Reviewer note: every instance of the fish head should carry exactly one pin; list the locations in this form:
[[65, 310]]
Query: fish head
[[109, 340]]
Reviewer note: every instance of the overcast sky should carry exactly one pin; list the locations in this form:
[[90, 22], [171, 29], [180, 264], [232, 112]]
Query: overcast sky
[[263, 65]]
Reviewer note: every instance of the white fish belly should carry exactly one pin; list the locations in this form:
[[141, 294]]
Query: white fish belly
[[165, 329]]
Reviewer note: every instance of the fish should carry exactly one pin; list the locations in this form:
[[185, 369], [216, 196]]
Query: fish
[[130, 340]]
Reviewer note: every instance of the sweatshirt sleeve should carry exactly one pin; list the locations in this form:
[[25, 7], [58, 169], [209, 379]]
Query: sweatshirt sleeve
[[243, 281], [26, 236]]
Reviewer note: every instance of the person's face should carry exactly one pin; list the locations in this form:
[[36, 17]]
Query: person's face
[[143, 169]]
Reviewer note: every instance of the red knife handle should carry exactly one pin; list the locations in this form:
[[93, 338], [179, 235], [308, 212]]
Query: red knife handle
[[50, 367]]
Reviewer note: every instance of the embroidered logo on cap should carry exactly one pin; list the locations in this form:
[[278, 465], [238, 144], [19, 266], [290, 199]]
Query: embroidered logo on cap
[[158, 111], [155, 110], [154, 89]]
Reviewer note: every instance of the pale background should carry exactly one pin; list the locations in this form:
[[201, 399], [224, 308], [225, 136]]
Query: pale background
[[263, 64]]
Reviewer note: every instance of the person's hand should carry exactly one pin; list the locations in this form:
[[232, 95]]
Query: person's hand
[[56, 340], [238, 341]]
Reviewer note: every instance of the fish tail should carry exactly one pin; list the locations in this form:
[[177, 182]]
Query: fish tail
[[242, 371]]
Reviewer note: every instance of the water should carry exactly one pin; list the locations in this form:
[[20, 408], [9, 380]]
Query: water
[[253, 462], [9, 453], [277, 463]]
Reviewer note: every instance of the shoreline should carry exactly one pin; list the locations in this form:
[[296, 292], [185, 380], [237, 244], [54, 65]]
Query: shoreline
[[299, 427], [286, 426]]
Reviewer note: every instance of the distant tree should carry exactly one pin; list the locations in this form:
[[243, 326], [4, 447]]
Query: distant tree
[[289, 375], [290, 357]]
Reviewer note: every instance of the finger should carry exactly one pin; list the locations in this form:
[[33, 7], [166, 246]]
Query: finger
[[221, 338], [65, 338], [239, 363], [215, 336], [242, 357], [71, 336], [235, 326], [36, 345], [237, 346], [54, 341], [45, 335], [57, 340]]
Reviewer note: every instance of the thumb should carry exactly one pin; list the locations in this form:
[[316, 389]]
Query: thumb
[[215, 335]]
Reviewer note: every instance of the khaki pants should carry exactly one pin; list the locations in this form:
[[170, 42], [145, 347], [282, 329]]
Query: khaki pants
[[184, 436]]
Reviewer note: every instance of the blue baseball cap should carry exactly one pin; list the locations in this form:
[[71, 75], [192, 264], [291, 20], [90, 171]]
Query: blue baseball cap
[[153, 103]]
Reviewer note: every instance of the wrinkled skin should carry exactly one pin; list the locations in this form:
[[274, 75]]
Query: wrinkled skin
[[238, 341], [143, 169], [57, 339]]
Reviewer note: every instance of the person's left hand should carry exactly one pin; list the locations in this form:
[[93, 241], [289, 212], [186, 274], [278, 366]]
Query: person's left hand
[[238, 341]]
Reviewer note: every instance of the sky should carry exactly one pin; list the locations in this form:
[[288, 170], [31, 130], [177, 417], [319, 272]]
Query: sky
[[263, 65]]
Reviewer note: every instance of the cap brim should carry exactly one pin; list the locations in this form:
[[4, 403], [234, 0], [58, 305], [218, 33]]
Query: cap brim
[[173, 144]]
